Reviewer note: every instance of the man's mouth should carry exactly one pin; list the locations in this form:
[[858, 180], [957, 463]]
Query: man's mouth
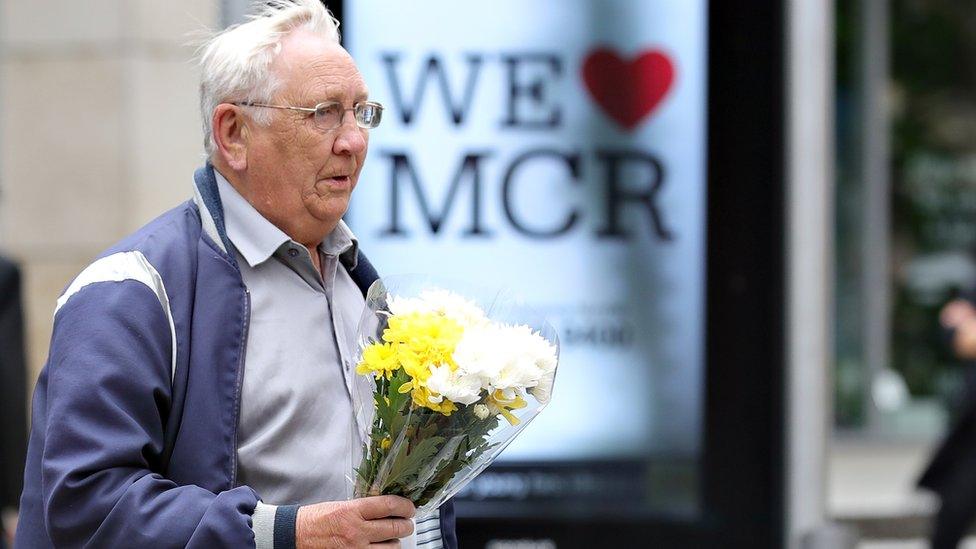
[[341, 181]]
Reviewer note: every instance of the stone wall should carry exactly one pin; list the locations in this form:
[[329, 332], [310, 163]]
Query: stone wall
[[99, 132]]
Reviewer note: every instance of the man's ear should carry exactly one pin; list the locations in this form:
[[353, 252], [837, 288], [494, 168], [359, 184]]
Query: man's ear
[[230, 132]]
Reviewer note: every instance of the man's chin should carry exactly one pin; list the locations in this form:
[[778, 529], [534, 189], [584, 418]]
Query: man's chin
[[329, 210]]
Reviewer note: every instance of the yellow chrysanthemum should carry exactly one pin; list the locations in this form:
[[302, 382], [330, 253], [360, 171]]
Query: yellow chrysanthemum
[[415, 342], [379, 359], [424, 397], [423, 340]]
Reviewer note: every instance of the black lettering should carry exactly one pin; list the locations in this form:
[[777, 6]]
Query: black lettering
[[433, 67], [508, 184], [618, 195], [533, 90], [400, 163]]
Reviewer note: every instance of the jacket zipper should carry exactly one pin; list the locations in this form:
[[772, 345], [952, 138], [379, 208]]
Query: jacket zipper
[[240, 385]]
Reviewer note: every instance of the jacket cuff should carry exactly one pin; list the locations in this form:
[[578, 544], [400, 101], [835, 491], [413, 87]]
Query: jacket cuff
[[284, 527], [262, 522], [274, 526]]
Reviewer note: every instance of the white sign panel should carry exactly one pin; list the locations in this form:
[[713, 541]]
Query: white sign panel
[[556, 147]]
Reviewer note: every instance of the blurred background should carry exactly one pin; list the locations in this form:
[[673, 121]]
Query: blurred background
[[745, 221]]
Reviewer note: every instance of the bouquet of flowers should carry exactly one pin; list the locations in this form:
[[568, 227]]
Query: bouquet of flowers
[[449, 383]]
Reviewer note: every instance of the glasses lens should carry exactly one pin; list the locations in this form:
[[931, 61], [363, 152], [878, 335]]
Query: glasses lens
[[328, 115], [368, 115]]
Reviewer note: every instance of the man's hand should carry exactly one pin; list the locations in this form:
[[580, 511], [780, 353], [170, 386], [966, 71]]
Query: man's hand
[[377, 521], [964, 341], [956, 312], [960, 316]]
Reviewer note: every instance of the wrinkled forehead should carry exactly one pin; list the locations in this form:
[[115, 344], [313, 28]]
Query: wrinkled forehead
[[311, 68]]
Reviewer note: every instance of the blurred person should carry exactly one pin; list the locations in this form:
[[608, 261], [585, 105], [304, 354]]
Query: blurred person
[[198, 387], [13, 398], [951, 473]]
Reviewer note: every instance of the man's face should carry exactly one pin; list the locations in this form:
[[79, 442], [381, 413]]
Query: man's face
[[300, 176]]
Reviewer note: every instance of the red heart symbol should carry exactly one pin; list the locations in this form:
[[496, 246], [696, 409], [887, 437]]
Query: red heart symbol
[[627, 91]]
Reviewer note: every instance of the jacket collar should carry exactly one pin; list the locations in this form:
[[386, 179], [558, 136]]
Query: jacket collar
[[207, 199]]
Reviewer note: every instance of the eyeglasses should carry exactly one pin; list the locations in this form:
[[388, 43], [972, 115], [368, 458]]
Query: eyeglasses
[[329, 115]]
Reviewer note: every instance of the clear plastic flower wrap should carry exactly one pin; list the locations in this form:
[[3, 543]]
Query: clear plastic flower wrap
[[448, 375]]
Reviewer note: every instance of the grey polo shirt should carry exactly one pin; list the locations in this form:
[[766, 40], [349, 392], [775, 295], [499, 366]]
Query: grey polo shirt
[[297, 433], [296, 430]]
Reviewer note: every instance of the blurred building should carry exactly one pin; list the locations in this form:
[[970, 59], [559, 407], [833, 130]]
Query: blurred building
[[99, 131], [904, 248]]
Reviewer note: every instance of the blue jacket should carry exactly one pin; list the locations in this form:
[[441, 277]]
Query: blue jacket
[[135, 415]]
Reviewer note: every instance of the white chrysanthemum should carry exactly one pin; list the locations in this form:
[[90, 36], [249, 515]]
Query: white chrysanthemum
[[481, 411], [456, 388], [510, 359], [543, 391], [449, 304]]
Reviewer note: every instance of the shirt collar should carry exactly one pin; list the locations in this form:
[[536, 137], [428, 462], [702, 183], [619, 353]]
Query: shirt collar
[[343, 243], [257, 239]]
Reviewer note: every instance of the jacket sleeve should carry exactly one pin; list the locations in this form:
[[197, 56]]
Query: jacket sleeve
[[108, 393], [448, 525]]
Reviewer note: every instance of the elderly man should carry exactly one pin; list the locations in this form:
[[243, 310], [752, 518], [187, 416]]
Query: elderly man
[[198, 387]]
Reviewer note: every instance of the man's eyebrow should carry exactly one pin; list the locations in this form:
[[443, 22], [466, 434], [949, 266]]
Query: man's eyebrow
[[336, 95]]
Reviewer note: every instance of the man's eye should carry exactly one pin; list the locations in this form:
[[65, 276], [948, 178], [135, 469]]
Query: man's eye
[[327, 110]]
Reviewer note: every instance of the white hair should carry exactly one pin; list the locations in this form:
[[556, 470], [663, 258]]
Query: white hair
[[236, 62]]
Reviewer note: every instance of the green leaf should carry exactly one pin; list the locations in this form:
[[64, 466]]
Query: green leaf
[[384, 412], [420, 456]]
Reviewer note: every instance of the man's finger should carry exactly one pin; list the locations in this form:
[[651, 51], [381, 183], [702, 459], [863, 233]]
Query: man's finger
[[388, 528], [386, 506], [390, 544]]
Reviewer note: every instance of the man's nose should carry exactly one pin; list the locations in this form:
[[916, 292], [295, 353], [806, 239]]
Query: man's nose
[[350, 138]]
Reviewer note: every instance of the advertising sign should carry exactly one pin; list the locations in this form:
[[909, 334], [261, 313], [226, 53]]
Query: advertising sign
[[557, 148]]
